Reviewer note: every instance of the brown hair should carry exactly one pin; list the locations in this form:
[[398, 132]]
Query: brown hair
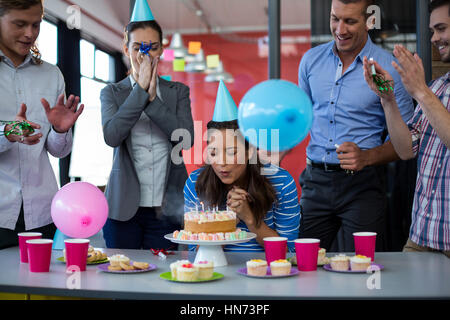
[[368, 4], [213, 192], [142, 25], [8, 5], [439, 3]]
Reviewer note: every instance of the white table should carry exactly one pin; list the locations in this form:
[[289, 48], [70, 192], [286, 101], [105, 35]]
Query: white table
[[406, 276]]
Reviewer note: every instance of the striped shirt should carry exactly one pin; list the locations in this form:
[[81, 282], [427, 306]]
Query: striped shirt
[[284, 217], [430, 225]]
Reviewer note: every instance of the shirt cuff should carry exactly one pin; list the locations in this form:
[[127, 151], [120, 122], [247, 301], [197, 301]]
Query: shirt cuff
[[59, 139], [5, 144]]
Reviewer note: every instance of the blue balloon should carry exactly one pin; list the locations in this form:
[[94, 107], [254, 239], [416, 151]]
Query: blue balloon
[[275, 112]]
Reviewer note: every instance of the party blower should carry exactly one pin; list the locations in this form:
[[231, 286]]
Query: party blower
[[79, 210]]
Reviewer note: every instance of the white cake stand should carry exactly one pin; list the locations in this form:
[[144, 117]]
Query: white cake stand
[[211, 250]]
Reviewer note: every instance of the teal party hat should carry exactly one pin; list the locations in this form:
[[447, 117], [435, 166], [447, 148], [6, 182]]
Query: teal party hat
[[58, 240], [141, 12], [225, 109]]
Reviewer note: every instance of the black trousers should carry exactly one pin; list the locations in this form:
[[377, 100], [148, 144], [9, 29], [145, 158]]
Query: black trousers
[[9, 238], [331, 201], [143, 231]]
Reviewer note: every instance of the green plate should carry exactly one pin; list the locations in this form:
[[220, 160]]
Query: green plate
[[61, 259], [168, 276]]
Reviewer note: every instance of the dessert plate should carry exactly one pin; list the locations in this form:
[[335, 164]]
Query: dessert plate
[[104, 268], [170, 237], [168, 276], [61, 259], [269, 275], [373, 267], [211, 250]]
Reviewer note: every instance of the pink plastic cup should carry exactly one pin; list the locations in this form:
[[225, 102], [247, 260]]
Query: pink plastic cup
[[365, 243], [306, 251], [39, 254], [76, 253], [23, 237], [275, 248]]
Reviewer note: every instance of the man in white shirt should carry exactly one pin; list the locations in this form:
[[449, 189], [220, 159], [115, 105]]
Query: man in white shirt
[[28, 87]]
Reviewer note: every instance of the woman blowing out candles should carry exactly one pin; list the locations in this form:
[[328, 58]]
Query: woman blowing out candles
[[264, 197]]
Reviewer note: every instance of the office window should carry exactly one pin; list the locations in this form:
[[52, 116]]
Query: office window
[[91, 158], [47, 42]]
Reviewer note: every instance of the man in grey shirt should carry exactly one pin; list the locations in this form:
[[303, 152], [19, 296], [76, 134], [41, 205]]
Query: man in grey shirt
[[28, 86]]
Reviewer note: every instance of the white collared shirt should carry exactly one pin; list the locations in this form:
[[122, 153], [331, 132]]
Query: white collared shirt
[[151, 149], [26, 175]]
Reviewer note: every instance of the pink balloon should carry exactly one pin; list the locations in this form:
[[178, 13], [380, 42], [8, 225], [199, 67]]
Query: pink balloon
[[79, 209]]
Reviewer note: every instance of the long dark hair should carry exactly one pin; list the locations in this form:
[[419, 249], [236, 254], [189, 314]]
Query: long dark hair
[[213, 192]]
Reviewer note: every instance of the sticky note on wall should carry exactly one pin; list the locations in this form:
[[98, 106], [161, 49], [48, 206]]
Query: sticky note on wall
[[212, 61], [168, 55], [178, 65], [167, 77], [194, 47]]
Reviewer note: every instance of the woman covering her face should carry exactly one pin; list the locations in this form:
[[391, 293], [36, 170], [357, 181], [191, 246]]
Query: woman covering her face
[[139, 115], [264, 197]]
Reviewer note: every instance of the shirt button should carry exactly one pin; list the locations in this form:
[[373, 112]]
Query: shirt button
[[337, 83], [331, 121], [331, 140], [332, 102]]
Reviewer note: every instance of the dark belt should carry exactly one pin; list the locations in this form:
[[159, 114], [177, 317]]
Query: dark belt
[[328, 167]]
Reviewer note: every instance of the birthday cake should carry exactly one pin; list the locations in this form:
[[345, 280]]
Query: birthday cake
[[210, 221], [210, 225]]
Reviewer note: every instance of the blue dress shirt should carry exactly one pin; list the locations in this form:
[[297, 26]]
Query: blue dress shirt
[[345, 108]]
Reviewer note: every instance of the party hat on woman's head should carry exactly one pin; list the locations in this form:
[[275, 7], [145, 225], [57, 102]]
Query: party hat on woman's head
[[141, 12], [225, 109]]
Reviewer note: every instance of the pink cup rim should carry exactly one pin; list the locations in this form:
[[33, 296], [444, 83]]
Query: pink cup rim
[[76, 241], [275, 239], [39, 241], [307, 240], [364, 234], [29, 234]]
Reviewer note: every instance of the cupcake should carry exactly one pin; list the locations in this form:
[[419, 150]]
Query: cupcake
[[257, 267], [175, 265], [117, 259], [280, 267], [187, 272], [340, 262], [360, 263], [205, 269]]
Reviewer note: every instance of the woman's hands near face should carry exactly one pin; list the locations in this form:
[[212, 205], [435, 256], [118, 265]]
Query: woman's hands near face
[[153, 79], [145, 71], [238, 201]]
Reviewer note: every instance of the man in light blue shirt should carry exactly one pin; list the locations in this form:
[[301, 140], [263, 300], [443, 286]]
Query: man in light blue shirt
[[342, 186]]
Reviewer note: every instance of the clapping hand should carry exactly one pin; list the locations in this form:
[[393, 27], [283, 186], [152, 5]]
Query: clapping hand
[[411, 70], [63, 115]]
